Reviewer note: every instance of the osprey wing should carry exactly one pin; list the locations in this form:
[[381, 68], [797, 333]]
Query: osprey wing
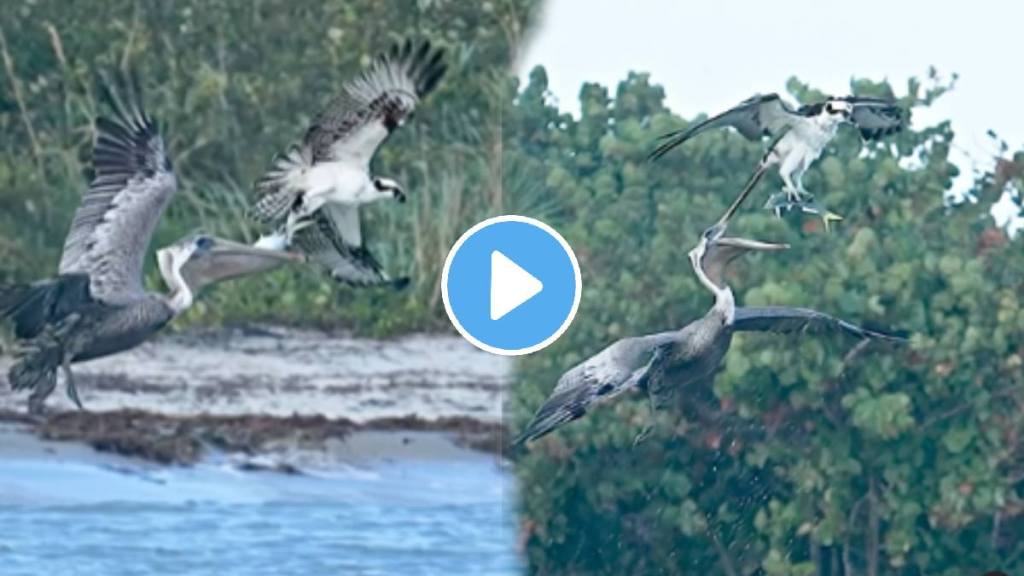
[[375, 103], [753, 118], [875, 118]]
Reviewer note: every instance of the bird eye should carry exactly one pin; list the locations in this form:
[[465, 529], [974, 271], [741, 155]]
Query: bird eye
[[204, 243]]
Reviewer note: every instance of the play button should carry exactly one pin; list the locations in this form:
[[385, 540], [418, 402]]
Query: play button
[[511, 285]]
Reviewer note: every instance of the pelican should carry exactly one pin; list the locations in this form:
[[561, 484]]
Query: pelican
[[97, 306], [801, 136], [319, 185], [661, 363]]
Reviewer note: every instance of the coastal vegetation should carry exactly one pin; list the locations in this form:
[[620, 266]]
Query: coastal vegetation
[[809, 456]]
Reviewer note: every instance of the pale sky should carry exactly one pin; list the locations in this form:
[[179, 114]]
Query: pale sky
[[709, 55]]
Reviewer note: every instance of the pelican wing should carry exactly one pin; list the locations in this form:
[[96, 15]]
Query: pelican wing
[[875, 117], [334, 240], [374, 103], [133, 184], [616, 369], [753, 118], [30, 307], [800, 320]]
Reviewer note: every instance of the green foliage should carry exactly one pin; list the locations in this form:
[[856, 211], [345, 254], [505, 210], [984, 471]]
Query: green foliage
[[810, 454], [232, 83], [805, 456]]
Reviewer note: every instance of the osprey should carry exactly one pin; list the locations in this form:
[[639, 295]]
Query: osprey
[[662, 364], [800, 135], [312, 193]]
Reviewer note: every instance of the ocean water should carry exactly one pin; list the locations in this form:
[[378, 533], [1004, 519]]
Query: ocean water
[[69, 516]]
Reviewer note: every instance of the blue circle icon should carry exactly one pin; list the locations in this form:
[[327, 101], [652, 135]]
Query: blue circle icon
[[511, 285]]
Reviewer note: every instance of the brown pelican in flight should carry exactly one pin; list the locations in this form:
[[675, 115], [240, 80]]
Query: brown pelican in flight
[[97, 306], [313, 192], [801, 136], [659, 364]]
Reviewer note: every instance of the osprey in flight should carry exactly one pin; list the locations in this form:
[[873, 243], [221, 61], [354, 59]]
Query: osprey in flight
[[312, 193], [800, 135]]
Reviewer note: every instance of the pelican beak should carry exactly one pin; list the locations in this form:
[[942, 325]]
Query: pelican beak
[[222, 247], [223, 260], [751, 245]]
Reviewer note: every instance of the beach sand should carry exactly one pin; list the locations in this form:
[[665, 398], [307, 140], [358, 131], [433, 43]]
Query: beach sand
[[274, 398]]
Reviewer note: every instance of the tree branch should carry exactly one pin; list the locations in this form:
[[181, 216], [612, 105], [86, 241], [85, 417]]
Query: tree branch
[[847, 547], [873, 527], [728, 566]]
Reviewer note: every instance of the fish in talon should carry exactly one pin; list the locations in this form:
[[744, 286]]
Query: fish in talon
[[799, 135]]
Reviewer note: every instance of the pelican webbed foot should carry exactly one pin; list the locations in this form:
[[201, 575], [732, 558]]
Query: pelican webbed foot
[[69, 381], [652, 409], [25, 348], [42, 390]]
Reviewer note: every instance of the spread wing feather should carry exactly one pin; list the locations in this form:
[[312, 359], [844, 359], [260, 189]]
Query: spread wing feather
[[875, 117], [374, 103], [753, 118], [133, 184], [616, 369], [786, 320], [30, 307]]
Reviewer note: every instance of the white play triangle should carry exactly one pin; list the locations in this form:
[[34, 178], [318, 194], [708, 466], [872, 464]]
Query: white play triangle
[[511, 286]]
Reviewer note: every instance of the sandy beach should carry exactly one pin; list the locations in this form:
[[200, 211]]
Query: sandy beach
[[276, 398]]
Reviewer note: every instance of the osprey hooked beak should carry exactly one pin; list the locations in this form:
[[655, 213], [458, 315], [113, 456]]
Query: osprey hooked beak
[[388, 185], [840, 107]]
